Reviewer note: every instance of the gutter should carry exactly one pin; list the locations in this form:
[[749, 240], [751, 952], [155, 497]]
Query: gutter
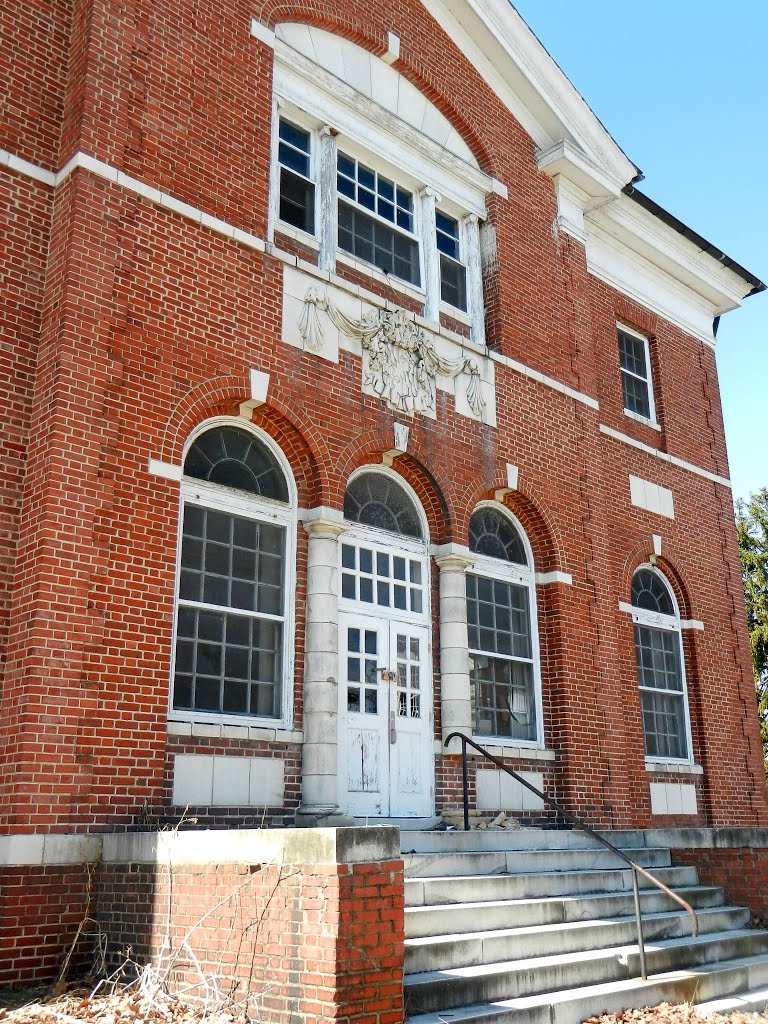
[[692, 236]]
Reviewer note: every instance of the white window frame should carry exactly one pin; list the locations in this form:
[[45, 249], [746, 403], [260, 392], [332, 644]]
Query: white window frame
[[672, 624], [454, 312], [517, 575], [651, 420], [370, 137], [250, 506], [289, 112], [401, 180]]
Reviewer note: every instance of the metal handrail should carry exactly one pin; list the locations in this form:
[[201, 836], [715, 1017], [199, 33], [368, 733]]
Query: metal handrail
[[636, 869]]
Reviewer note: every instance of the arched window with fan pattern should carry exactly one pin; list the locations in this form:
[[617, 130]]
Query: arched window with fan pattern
[[233, 613], [502, 627], [660, 667]]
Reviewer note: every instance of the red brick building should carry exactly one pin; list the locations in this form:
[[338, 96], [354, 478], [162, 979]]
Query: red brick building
[[352, 395]]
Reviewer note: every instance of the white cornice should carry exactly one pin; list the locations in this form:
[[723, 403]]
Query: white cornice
[[509, 57], [673, 253]]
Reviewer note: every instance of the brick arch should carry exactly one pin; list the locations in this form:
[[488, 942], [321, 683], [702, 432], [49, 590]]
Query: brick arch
[[526, 505], [298, 438], [639, 555], [372, 38], [367, 450]]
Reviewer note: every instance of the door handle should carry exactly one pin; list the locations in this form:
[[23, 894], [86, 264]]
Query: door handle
[[392, 729]]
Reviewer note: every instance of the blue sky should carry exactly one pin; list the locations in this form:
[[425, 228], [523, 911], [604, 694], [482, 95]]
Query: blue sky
[[683, 88]]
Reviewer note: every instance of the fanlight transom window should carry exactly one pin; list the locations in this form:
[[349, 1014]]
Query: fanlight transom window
[[236, 458], [501, 619], [660, 672], [374, 499], [492, 534], [231, 613]]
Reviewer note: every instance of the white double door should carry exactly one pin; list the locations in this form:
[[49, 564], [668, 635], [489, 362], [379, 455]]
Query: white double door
[[385, 718]]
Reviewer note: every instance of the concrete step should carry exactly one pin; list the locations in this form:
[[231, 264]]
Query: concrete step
[[465, 917], [704, 985], [445, 952], [492, 862], [456, 889], [465, 986], [755, 1001], [515, 839]]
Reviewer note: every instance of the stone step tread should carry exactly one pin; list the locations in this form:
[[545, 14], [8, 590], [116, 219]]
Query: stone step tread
[[583, 956], [591, 999], [686, 891], [749, 1001], [563, 926], [617, 870], [545, 851]]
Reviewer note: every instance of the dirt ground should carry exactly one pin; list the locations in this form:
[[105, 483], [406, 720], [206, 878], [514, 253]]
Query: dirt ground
[[128, 1006]]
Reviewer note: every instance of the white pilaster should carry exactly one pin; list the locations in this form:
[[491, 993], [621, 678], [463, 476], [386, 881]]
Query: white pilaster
[[326, 184], [427, 198], [475, 300], [456, 702], [319, 783]]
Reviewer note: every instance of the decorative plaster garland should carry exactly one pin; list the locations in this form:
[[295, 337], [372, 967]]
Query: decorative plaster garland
[[402, 360]]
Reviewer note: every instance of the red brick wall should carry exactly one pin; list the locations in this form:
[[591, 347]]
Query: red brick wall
[[741, 872], [149, 324], [40, 912], [307, 942]]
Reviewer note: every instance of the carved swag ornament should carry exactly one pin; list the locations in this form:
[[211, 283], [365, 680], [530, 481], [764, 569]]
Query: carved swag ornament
[[402, 361]]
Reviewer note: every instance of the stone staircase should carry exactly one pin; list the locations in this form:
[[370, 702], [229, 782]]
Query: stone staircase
[[538, 927]]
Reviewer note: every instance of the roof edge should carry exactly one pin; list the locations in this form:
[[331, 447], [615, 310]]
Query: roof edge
[[706, 246]]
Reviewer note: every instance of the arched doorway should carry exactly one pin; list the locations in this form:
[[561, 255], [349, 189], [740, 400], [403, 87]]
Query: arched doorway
[[386, 762]]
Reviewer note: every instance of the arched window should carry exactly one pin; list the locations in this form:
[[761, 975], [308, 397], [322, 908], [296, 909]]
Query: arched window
[[503, 640], [235, 549], [660, 670], [375, 499]]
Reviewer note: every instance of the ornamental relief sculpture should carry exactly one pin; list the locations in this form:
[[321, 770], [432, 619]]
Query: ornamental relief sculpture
[[401, 363]]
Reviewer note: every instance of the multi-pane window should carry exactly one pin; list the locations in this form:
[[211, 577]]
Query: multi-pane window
[[297, 190], [231, 618], [501, 628], [376, 220], [453, 273], [659, 667], [380, 578], [636, 382]]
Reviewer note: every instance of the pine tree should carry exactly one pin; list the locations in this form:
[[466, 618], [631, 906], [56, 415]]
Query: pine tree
[[752, 532]]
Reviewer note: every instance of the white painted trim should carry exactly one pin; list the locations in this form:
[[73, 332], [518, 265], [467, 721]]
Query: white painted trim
[[671, 624], [262, 33], [379, 133], [542, 378], [649, 421], [642, 419], [662, 764], [545, 578], [165, 470], [215, 729], [664, 456], [254, 507], [15, 163], [307, 240], [522, 576], [499, 188], [48, 850]]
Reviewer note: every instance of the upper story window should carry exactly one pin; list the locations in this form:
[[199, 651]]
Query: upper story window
[[232, 610], [453, 273], [376, 221], [379, 218], [660, 671], [297, 189], [636, 381], [503, 636]]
